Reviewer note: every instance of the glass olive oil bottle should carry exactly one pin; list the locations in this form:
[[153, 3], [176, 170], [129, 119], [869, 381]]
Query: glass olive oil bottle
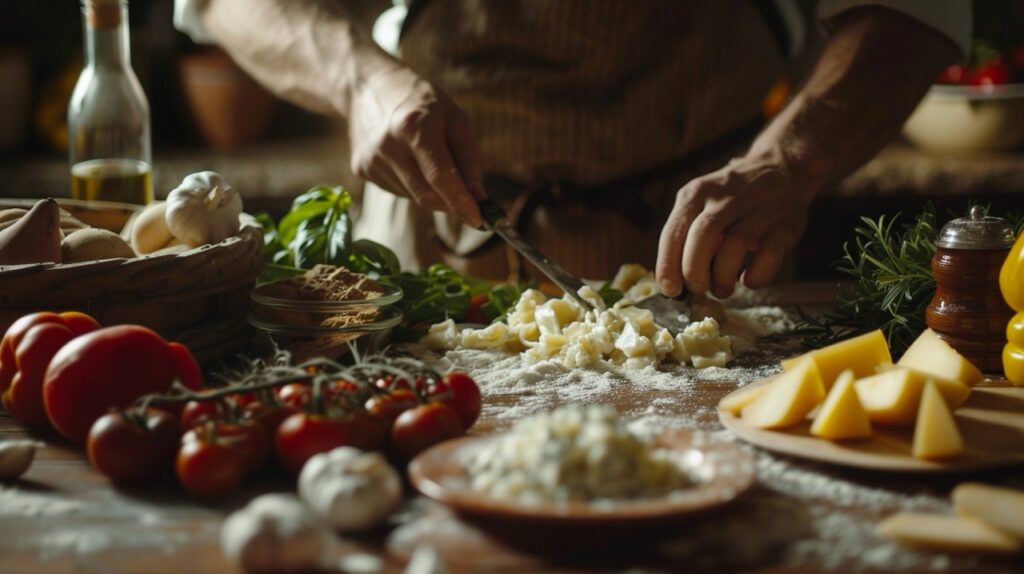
[[108, 115]]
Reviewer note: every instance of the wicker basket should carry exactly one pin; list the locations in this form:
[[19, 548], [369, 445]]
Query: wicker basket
[[199, 297]]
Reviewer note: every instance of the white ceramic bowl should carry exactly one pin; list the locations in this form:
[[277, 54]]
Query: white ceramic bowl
[[968, 118]]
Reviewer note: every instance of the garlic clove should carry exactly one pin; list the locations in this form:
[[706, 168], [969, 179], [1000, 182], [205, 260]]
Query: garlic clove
[[16, 456]]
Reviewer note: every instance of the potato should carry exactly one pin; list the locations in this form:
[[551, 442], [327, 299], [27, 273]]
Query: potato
[[92, 244]]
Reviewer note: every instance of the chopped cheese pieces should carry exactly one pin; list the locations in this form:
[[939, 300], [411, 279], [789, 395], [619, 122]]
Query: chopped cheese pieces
[[842, 416], [735, 402], [1002, 508], [946, 533], [936, 434], [892, 397], [863, 354], [788, 398], [930, 354]]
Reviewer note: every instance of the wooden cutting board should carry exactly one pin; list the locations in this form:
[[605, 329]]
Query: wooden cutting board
[[991, 422]]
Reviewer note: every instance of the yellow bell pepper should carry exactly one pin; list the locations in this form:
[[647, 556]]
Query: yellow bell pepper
[[1011, 283]]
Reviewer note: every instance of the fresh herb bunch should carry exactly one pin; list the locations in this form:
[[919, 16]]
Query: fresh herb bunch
[[890, 265]]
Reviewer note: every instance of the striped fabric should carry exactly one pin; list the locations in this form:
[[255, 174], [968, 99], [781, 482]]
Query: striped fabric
[[577, 94]]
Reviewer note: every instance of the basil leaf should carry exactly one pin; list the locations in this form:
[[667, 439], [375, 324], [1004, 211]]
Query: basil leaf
[[609, 294], [375, 258]]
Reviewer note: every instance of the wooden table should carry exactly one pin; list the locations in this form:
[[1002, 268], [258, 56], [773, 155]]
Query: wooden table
[[64, 517]]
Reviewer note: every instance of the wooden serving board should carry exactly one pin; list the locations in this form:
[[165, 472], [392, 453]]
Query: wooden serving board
[[991, 422]]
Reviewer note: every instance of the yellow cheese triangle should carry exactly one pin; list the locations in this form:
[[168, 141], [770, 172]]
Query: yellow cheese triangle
[[735, 401], [930, 354], [935, 434], [788, 399], [946, 533], [842, 416], [893, 396], [1002, 508], [863, 354]]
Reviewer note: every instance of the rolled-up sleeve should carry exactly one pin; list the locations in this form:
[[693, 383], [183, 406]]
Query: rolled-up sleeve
[[952, 18], [186, 19]]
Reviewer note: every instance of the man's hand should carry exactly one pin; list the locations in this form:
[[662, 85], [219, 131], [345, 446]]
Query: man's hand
[[739, 220], [411, 139]]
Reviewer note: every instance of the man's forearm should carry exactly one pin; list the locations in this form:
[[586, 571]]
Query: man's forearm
[[308, 51], [874, 69]]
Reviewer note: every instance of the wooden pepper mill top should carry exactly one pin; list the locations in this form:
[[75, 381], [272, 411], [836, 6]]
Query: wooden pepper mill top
[[968, 310]]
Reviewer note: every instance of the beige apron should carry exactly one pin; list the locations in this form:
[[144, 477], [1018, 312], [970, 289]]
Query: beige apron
[[571, 99]]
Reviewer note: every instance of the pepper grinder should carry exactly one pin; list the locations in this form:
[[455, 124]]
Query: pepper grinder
[[968, 310]]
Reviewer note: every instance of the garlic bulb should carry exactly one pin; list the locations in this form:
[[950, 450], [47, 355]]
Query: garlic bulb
[[15, 457], [274, 533], [352, 490], [147, 231], [203, 209]]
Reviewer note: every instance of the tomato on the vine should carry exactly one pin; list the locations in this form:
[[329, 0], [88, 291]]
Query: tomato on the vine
[[303, 435], [421, 427], [268, 416], [124, 449], [196, 413], [996, 72], [297, 395], [249, 439], [459, 391], [387, 406], [209, 469]]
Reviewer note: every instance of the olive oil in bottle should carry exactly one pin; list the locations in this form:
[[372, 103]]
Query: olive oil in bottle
[[108, 115]]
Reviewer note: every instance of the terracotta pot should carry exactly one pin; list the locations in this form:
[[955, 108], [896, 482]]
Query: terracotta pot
[[228, 107]]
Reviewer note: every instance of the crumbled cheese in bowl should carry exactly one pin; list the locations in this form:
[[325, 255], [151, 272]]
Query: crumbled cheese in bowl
[[576, 453]]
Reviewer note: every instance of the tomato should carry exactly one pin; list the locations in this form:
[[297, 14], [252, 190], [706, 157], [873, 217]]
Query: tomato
[[296, 395], [955, 74], [209, 469], [368, 431], [196, 413], [249, 439], [303, 435], [268, 416], [24, 397], [464, 396], [475, 312], [994, 73], [124, 450], [387, 406], [421, 427], [110, 368]]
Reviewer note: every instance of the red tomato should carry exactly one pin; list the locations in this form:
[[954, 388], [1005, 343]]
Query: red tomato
[[124, 450], [269, 416], [419, 428], [994, 73], [387, 406], [464, 396], [209, 469], [955, 74], [368, 431], [76, 323], [303, 435], [24, 398], [475, 313], [196, 413], [248, 439], [296, 395], [110, 368]]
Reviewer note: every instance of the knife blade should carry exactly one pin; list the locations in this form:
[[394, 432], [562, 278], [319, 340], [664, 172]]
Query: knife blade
[[495, 219], [671, 314]]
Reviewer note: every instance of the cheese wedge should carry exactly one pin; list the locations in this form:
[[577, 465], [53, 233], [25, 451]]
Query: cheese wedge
[[936, 434], [930, 354], [946, 533], [735, 402], [863, 354], [1001, 508], [787, 400], [841, 415], [892, 397]]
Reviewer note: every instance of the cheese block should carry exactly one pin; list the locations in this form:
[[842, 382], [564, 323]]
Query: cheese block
[[893, 396], [863, 354], [787, 400], [946, 533], [1002, 508], [935, 434], [841, 415], [735, 402], [930, 354]]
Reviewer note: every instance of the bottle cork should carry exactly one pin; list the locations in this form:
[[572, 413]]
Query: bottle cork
[[102, 13]]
